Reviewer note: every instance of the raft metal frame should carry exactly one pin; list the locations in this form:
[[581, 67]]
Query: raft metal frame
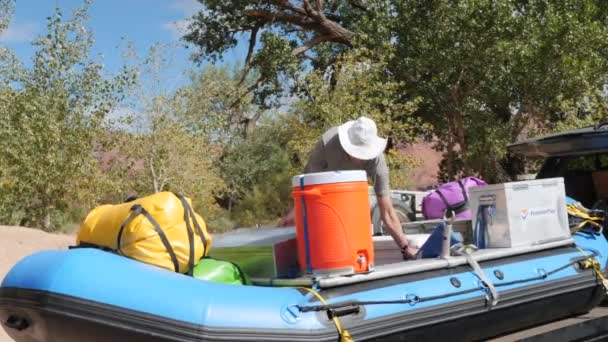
[[409, 267]]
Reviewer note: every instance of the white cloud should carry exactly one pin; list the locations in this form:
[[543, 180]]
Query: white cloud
[[188, 7], [19, 32], [177, 28]]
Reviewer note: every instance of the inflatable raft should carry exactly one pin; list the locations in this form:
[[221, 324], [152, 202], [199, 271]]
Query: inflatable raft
[[86, 294]]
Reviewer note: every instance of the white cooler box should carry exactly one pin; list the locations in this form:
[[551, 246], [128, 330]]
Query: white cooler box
[[525, 213]]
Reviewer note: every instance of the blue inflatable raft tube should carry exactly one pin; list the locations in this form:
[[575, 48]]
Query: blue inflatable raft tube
[[91, 295]]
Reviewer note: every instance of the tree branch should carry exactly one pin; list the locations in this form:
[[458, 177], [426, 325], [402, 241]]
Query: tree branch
[[270, 17], [358, 5], [249, 90], [308, 8], [286, 5], [310, 44], [153, 174], [319, 6], [247, 66]]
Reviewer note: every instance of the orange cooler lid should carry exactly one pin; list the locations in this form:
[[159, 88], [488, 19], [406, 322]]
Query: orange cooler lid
[[330, 177]]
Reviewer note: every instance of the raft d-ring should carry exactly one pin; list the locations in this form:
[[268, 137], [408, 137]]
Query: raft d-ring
[[291, 314], [483, 287], [411, 298], [541, 272]]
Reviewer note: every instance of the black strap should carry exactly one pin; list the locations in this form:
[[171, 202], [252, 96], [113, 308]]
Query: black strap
[[190, 235], [241, 274], [445, 201], [456, 208], [163, 238], [82, 244], [136, 210], [464, 191], [196, 224]]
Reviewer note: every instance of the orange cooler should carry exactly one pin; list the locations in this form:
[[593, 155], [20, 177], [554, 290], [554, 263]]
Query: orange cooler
[[333, 222]]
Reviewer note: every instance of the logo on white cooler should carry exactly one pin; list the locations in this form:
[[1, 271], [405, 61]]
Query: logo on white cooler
[[525, 212]]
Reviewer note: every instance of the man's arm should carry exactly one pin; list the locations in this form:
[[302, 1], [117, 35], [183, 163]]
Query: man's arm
[[379, 172], [391, 221]]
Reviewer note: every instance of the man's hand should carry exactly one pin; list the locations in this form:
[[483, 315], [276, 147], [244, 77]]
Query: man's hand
[[391, 221], [288, 219]]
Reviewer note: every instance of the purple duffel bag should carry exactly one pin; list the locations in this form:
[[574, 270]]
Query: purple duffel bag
[[450, 197]]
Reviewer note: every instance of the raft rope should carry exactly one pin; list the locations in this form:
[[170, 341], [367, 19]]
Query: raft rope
[[416, 299], [586, 218], [492, 294], [344, 334], [591, 262]]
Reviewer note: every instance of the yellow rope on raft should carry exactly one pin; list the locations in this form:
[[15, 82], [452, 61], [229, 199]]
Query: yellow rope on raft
[[344, 334], [593, 263], [587, 219]]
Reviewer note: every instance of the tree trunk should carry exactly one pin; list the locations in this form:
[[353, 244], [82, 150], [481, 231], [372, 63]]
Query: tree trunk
[[46, 221], [153, 174]]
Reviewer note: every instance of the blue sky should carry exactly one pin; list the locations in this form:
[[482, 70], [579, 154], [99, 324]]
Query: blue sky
[[144, 22]]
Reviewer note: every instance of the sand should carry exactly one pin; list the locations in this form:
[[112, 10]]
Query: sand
[[18, 242]]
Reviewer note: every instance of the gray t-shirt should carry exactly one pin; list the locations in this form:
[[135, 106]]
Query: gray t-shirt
[[328, 155]]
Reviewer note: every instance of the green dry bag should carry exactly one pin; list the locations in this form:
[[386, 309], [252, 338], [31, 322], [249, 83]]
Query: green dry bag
[[219, 271]]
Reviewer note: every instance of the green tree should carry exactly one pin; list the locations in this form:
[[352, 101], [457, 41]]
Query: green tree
[[212, 106], [10, 68], [258, 173], [483, 72], [284, 38], [51, 119], [488, 71], [7, 8], [156, 147]]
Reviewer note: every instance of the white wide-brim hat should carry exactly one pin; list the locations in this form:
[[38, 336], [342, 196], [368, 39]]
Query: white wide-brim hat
[[359, 138]]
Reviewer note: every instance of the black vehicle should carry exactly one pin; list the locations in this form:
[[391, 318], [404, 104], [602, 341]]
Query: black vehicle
[[580, 156]]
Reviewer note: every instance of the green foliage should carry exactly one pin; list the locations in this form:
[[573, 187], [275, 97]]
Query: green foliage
[[258, 172], [211, 106], [216, 28], [52, 120], [10, 68], [221, 23], [165, 148], [488, 71], [275, 63], [285, 38], [588, 110], [470, 75], [7, 8], [481, 73], [400, 166]]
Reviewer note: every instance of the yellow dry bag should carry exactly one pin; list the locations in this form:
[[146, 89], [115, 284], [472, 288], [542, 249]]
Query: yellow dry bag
[[160, 229]]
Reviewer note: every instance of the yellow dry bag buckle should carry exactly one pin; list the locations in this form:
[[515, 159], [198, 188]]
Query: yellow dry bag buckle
[[344, 334], [592, 263]]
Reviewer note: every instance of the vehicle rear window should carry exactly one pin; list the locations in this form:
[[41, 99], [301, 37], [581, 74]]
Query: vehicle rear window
[[588, 163]]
